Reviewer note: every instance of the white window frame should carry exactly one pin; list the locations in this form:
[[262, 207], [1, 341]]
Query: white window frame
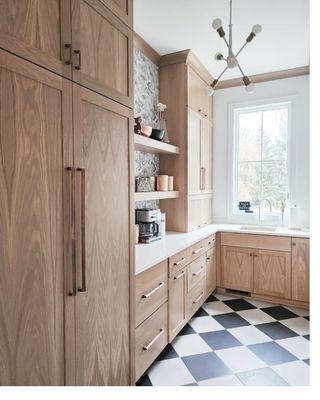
[[234, 214]]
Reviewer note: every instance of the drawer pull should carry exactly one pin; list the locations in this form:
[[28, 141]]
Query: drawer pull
[[180, 261], [198, 251], [198, 272], [198, 299], [180, 275], [147, 347], [145, 296]]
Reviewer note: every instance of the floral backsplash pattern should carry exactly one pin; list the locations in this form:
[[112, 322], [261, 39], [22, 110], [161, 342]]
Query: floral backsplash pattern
[[146, 98]]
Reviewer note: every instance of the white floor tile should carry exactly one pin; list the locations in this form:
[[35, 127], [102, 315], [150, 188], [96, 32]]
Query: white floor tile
[[298, 346], [249, 335], [240, 359], [216, 308], [187, 345], [299, 311], [228, 380], [256, 316], [171, 372], [295, 373], [299, 325], [223, 297], [260, 304], [205, 324]]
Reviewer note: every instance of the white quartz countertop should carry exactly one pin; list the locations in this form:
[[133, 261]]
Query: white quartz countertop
[[148, 255]]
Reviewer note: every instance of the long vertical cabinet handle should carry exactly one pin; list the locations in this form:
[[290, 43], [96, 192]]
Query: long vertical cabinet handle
[[202, 181], [73, 290], [78, 64], [83, 230]]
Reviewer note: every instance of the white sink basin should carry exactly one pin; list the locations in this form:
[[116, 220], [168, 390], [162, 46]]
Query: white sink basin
[[258, 228]]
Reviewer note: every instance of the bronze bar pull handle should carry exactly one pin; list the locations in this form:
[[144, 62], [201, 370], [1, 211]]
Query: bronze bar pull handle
[[147, 347], [73, 291], [78, 66], [198, 298], [69, 60], [83, 230]]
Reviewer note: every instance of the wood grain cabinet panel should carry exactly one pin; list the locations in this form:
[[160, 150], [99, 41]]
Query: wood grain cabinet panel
[[151, 291], [196, 297], [177, 302], [300, 269], [37, 31], [194, 153], [206, 156], [272, 273], [237, 268], [102, 325], [104, 63], [211, 273], [196, 271], [151, 337], [123, 9], [199, 211], [197, 97], [34, 151]]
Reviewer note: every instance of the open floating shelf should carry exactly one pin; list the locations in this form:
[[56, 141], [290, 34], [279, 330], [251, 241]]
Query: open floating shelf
[[143, 143], [142, 196]]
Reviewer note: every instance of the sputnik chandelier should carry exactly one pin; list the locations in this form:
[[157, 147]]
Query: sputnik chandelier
[[232, 59]]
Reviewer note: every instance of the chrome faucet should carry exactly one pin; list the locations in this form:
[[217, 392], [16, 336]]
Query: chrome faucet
[[259, 205]]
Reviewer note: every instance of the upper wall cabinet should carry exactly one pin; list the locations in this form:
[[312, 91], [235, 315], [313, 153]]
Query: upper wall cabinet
[[197, 97], [99, 55], [123, 9], [102, 51], [38, 31]]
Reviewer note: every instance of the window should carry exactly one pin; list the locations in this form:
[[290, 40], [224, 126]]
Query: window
[[261, 158]]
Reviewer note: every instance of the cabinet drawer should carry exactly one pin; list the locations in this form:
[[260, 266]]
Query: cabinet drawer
[[196, 272], [196, 297], [151, 291], [150, 339], [197, 250], [210, 242], [178, 261], [266, 242]]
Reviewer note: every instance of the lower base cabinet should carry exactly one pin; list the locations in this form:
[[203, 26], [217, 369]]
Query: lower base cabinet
[[211, 274], [177, 302], [196, 297], [272, 273], [151, 338], [300, 269], [237, 268]]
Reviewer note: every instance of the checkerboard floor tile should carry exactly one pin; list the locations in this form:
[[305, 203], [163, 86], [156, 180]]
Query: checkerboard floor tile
[[236, 342]]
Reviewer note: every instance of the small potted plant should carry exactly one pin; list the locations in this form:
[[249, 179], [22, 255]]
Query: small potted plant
[[161, 108]]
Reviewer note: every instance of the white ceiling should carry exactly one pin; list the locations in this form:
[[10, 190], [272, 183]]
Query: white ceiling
[[173, 25]]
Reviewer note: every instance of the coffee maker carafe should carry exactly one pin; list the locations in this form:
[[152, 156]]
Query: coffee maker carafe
[[149, 224]]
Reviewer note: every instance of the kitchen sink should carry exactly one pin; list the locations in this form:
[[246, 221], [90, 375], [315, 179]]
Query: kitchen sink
[[258, 228]]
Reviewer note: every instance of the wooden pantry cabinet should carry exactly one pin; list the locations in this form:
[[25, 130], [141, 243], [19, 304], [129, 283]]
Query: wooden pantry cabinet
[[183, 80], [65, 245], [83, 40]]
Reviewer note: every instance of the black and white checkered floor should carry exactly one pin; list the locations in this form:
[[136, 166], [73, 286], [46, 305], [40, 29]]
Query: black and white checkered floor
[[233, 342]]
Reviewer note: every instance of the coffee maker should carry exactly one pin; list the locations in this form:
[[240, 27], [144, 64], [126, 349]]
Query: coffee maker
[[149, 221]]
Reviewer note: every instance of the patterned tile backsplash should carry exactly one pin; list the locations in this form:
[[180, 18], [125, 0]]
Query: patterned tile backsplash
[[146, 98]]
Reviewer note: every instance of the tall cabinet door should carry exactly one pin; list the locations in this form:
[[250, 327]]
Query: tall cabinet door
[[35, 149], [194, 152], [206, 156], [102, 325], [38, 31], [123, 9], [102, 50]]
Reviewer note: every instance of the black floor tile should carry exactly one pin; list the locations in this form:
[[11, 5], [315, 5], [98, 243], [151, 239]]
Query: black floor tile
[[307, 361], [279, 312], [231, 320], [239, 304], [200, 313], [220, 340], [272, 353], [307, 337], [167, 353], [144, 381], [191, 384], [276, 331], [205, 366], [308, 318], [186, 330], [211, 298]]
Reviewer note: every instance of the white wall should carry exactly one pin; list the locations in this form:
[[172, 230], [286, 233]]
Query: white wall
[[298, 88]]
